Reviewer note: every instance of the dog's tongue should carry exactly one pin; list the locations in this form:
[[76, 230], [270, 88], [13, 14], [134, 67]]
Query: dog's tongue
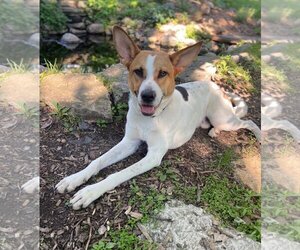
[[149, 110]]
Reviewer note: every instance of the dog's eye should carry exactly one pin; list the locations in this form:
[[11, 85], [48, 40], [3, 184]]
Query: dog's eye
[[162, 74], [139, 72]]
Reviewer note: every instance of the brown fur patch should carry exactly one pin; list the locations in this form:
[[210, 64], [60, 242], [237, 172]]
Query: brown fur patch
[[162, 62]]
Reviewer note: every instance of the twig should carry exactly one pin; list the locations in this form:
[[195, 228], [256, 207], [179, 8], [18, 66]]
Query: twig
[[89, 239]]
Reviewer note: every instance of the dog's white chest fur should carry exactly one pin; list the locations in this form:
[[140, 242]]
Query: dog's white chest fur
[[178, 119]]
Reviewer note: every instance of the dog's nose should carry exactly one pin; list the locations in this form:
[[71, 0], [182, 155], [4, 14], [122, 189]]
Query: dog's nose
[[148, 95]]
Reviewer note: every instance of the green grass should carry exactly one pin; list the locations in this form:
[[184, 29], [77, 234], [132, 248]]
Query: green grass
[[51, 68], [280, 210], [198, 35], [277, 10], [111, 11], [233, 204], [245, 9], [233, 73]]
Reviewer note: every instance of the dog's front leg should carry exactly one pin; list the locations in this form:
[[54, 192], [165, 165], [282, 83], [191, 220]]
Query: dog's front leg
[[90, 193], [122, 150]]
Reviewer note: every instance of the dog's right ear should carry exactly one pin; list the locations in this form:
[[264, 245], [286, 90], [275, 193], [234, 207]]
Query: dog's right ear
[[125, 47]]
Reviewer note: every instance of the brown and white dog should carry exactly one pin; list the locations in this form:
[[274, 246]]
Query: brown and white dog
[[163, 115]]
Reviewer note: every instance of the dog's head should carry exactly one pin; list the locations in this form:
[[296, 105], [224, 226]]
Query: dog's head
[[151, 74]]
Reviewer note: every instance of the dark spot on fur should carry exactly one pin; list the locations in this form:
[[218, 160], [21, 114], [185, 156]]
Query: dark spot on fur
[[183, 92]]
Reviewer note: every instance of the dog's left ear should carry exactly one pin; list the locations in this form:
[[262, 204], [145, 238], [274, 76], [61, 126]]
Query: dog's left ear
[[183, 58], [125, 47]]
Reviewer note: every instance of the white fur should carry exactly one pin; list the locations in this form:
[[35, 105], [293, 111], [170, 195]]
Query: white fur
[[272, 109], [32, 185], [149, 82], [172, 125]]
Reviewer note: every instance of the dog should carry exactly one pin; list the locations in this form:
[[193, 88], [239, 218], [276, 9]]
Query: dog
[[161, 114], [272, 109]]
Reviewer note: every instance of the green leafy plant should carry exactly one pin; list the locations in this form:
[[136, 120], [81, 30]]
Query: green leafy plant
[[234, 205], [70, 121], [28, 112], [18, 67], [51, 16], [51, 68], [101, 123], [119, 111], [17, 16]]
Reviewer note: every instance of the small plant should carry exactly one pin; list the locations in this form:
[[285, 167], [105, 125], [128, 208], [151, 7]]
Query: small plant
[[196, 34], [70, 121], [234, 205], [119, 111], [51, 68], [29, 113], [123, 239], [233, 73], [17, 67], [101, 123]]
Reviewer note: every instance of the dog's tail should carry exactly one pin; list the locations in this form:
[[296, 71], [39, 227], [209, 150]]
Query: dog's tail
[[271, 107], [240, 107]]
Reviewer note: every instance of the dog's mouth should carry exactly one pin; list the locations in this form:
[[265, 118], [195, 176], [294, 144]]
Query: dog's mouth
[[147, 110]]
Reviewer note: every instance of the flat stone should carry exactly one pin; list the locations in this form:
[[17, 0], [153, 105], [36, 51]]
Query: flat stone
[[4, 69], [96, 28], [80, 25], [19, 89], [70, 38], [77, 32], [34, 39], [202, 69], [118, 77], [83, 93]]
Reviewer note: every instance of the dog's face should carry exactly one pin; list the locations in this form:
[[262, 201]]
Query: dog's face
[[151, 74]]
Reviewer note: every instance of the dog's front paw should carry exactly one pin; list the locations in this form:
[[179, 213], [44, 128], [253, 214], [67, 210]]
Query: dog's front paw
[[71, 182], [86, 196], [32, 185]]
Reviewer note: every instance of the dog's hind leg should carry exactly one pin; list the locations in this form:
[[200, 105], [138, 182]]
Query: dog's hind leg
[[122, 150], [235, 123], [90, 193]]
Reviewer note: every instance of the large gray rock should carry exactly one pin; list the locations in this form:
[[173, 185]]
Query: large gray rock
[[70, 38], [83, 93], [181, 226], [202, 68], [117, 75], [96, 28]]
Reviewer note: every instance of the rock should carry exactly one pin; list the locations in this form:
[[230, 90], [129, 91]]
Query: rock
[[117, 75], [83, 93], [80, 25], [70, 38], [4, 69], [168, 41], [205, 8], [78, 32], [181, 226], [19, 89], [202, 69], [34, 40], [96, 28], [81, 4]]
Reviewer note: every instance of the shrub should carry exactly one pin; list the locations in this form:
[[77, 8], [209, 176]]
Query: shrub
[[52, 17]]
